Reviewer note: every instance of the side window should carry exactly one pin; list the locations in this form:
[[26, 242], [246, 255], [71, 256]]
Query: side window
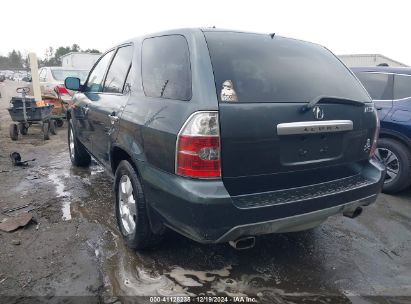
[[127, 84], [402, 86], [117, 73], [379, 86], [96, 77], [166, 67]]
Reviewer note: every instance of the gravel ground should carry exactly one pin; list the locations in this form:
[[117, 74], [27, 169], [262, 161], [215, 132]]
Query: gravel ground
[[73, 249]]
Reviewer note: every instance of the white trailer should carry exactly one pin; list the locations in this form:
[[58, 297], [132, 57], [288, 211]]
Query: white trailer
[[79, 60]]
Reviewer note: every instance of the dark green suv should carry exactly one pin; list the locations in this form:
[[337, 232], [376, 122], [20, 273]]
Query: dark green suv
[[224, 135]]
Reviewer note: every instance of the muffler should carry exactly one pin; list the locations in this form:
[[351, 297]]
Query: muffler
[[243, 243], [352, 212]]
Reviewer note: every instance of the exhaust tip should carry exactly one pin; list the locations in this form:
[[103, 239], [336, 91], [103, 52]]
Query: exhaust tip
[[353, 213], [243, 243]]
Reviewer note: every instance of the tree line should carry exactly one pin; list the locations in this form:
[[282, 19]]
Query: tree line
[[15, 60]]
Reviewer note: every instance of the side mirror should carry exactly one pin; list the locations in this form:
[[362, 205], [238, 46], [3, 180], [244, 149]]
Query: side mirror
[[72, 83]]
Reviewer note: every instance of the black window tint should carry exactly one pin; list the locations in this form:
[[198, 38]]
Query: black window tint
[[166, 67], [96, 78], [258, 68], [379, 86], [117, 73], [402, 86]]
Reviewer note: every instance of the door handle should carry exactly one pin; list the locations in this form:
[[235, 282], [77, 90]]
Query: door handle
[[378, 108], [113, 118]]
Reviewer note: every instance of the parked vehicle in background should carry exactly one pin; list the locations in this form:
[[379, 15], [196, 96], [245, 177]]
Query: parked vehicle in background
[[2, 77], [52, 81], [79, 60], [19, 77], [390, 88], [224, 135], [27, 78]]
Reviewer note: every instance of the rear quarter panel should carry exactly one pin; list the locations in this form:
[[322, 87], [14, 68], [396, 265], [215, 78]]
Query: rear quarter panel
[[149, 126]]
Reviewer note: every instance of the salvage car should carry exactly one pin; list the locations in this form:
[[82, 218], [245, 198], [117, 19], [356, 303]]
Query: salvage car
[[223, 135], [52, 81], [390, 88]]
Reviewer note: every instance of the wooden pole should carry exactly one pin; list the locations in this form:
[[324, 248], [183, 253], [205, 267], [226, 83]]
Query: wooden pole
[[35, 76]]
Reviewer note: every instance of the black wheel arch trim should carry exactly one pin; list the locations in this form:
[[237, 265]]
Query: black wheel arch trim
[[387, 133], [153, 217]]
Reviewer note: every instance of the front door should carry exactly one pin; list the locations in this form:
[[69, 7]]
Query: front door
[[90, 98]]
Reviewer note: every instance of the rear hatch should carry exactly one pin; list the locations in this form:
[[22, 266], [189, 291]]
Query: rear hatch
[[291, 114]]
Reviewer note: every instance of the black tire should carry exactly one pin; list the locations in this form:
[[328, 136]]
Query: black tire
[[23, 129], [78, 154], [46, 130], [141, 237], [53, 127], [60, 123], [14, 132], [403, 178]]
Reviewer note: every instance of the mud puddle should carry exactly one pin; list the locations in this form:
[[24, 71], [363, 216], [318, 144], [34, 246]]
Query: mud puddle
[[179, 266]]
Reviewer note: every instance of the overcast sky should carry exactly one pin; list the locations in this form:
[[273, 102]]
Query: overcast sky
[[345, 27]]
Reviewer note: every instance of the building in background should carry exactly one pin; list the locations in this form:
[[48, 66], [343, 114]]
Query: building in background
[[358, 60], [79, 60]]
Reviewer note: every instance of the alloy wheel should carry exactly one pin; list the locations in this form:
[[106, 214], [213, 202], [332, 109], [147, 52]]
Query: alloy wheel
[[391, 162], [127, 205], [71, 144]]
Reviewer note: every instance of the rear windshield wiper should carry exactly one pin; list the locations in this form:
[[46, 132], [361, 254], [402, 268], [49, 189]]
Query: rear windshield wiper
[[330, 99]]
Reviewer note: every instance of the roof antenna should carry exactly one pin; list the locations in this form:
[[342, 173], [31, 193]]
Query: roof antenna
[[272, 35]]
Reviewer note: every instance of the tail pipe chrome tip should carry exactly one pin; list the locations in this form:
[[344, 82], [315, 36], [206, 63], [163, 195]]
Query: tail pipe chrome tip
[[243, 243], [352, 212]]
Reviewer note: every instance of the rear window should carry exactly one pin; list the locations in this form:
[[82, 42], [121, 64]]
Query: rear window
[[166, 69], [61, 75], [258, 68], [402, 86], [378, 85]]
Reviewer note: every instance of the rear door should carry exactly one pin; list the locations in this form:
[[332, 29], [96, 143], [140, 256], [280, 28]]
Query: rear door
[[269, 140], [106, 112]]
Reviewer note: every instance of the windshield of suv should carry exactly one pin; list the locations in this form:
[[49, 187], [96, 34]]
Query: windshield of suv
[[63, 74], [258, 68]]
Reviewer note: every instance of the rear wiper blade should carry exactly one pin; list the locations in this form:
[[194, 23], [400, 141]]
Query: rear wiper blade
[[330, 99]]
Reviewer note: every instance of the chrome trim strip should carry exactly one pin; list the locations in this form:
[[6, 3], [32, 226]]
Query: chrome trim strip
[[313, 127]]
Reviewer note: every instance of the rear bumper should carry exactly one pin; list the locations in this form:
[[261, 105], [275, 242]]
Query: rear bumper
[[293, 223], [205, 212]]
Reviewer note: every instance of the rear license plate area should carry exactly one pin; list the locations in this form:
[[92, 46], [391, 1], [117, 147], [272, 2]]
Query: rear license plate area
[[310, 148]]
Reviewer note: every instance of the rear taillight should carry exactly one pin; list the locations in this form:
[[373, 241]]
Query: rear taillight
[[61, 90], [376, 135], [198, 147]]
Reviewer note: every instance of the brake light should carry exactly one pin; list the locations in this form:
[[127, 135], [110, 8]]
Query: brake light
[[376, 135], [61, 90], [198, 147]]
